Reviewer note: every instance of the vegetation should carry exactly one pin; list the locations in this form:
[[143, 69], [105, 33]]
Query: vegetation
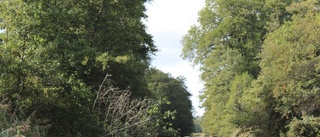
[[174, 92], [54, 56], [82, 68], [260, 63], [197, 126]]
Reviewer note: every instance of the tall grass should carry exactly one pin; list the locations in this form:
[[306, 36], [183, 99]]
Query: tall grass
[[12, 126]]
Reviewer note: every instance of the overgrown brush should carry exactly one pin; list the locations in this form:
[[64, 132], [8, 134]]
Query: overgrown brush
[[12, 126]]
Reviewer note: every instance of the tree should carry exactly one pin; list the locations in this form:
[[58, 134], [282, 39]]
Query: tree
[[226, 45], [289, 64], [173, 90], [55, 54], [197, 127]]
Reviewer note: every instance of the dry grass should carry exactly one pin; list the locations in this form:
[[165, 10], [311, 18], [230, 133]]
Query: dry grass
[[11, 126]]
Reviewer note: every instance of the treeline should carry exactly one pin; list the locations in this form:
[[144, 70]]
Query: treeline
[[260, 63], [82, 68]]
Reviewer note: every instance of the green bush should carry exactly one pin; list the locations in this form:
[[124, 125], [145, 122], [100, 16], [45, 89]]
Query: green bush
[[307, 127]]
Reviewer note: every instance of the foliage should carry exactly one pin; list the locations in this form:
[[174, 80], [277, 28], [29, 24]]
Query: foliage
[[307, 127], [260, 62], [254, 56], [174, 92], [197, 126], [225, 44], [289, 66], [55, 54]]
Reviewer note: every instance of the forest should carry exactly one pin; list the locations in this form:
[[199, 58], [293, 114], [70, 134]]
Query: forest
[[81, 68], [260, 62]]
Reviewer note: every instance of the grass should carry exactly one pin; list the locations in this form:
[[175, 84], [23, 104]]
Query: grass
[[12, 126]]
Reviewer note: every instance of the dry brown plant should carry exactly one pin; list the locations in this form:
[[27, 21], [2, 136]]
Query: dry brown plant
[[122, 114]]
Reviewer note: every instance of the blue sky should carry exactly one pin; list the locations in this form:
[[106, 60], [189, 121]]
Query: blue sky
[[168, 21]]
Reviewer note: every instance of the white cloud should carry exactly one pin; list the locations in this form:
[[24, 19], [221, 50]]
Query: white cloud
[[177, 15]]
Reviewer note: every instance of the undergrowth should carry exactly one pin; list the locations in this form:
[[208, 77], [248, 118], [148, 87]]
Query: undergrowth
[[12, 126]]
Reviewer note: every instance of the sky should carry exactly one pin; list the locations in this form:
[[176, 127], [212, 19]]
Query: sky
[[168, 21]]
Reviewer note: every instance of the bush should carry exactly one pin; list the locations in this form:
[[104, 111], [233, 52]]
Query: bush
[[307, 127]]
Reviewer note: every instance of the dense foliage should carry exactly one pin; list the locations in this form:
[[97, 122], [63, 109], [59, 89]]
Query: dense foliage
[[260, 63], [55, 54], [175, 95]]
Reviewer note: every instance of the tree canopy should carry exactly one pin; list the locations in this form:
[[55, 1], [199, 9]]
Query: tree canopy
[[259, 64], [54, 55], [175, 95]]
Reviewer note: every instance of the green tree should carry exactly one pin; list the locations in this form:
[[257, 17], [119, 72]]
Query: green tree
[[226, 44], [197, 126], [55, 55], [173, 90], [290, 66]]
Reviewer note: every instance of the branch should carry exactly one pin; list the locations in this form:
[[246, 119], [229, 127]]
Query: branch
[[98, 92]]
